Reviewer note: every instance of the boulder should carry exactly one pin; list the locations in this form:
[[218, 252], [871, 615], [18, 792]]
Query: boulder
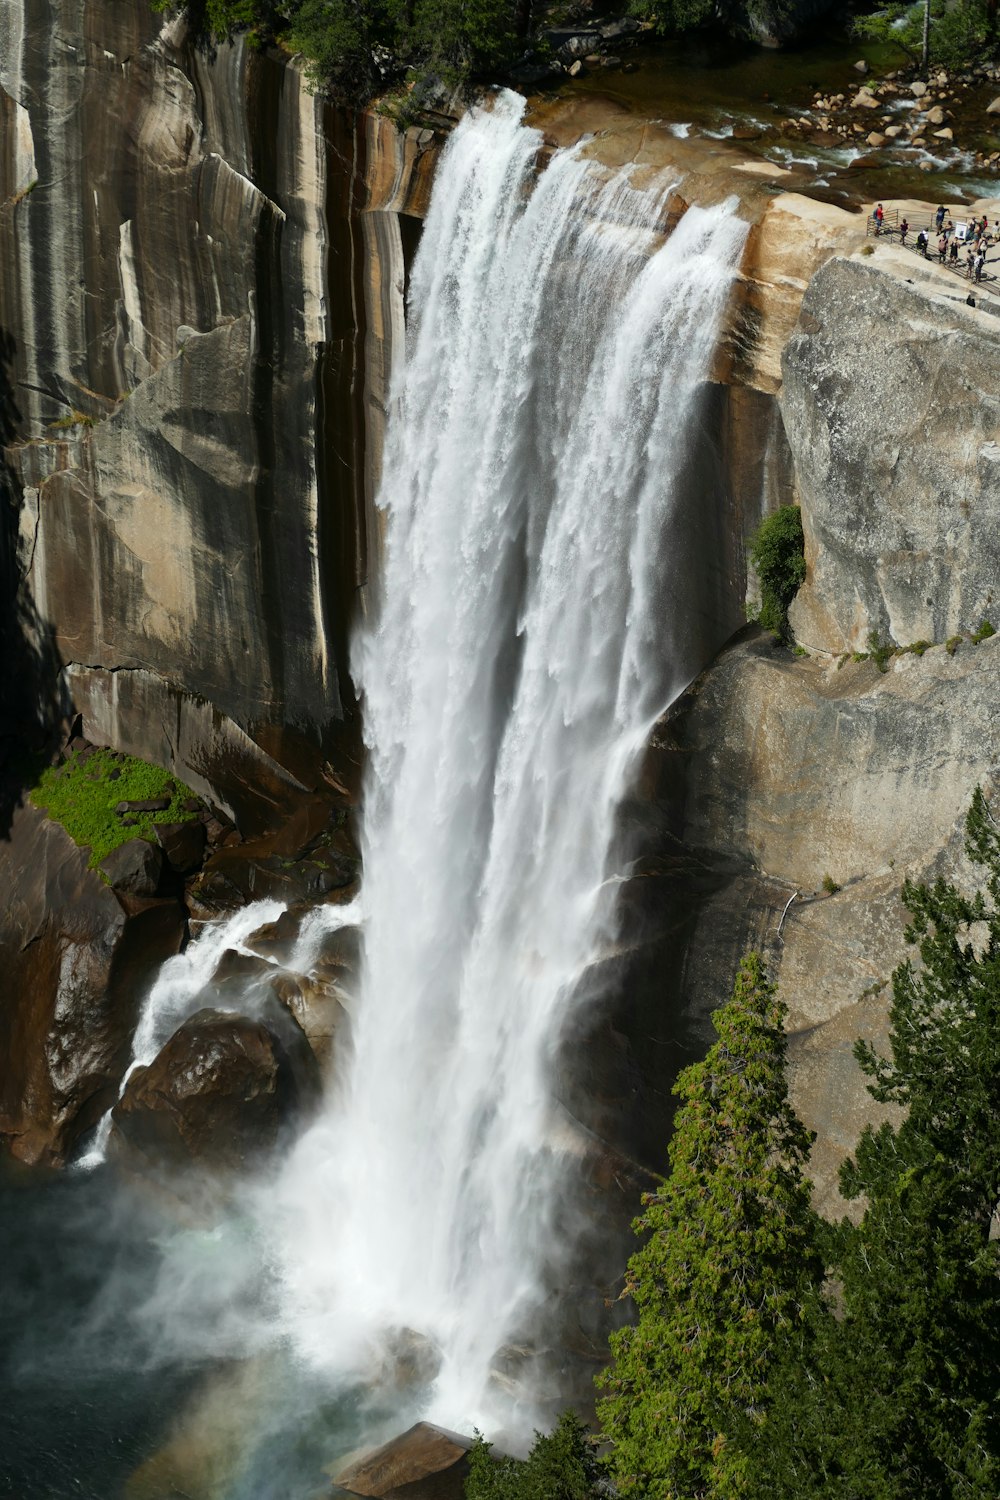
[[183, 844], [219, 1094], [944, 135], [861, 67], [896, 456], [935, 116], [918, 89], [75, 959], [143, 805], [135, 867], [612, 31], [994, 108], [424, 1463], [875, 138]]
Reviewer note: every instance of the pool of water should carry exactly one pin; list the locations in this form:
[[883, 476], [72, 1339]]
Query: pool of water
[[706, 87], [137, 1362]]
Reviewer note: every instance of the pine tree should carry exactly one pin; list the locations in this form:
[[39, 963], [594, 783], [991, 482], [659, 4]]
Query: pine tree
[[728, 1258], [894, 1393], [560, 1466]]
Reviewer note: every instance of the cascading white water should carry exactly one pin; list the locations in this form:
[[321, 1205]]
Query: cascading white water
[[521, 652]]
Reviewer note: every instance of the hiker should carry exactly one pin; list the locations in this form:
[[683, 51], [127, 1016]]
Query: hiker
[[980, 263], [970, 261], [878, 216], [953, 253], [942, 248], [922, 243], [904, 230], [939, 218]]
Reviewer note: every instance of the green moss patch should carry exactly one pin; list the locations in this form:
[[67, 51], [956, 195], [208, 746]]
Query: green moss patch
[[83, 792]]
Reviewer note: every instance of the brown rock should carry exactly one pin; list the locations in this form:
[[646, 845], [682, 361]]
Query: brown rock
[[143, 804], [424, 1463], [183, 844], [75, 959], [219, 1093], [134, 867], [875, 138]]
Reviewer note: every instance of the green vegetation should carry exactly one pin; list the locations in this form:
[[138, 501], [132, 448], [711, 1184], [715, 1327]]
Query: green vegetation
[[983, 633], [81, 794], [738, 18], [727, 1261], [830, 885], [778, 557], [779, 1357], [882, 651], [364, 47], [892, 1390], [947, 33], [72, 419], [560, 1466]]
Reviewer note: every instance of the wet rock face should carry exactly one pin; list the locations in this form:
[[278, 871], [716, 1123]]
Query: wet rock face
[[75, 960], [167, 298], [891, 406], [219, 1094]]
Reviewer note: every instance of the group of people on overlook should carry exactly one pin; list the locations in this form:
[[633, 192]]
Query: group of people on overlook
[[976, 238]]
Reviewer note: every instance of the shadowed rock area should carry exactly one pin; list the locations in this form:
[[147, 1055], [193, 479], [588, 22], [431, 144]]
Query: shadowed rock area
[[219, 1094], [75, 958]]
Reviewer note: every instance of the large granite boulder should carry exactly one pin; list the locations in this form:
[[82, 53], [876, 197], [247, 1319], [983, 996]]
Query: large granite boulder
[[424, 1463], [891, 404], [220, 1094], [76, 959]]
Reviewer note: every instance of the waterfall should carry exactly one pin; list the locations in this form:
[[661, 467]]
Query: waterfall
[[522, 646]]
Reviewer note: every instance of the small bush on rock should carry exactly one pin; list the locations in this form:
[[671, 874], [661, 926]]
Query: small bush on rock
[[778, 556]]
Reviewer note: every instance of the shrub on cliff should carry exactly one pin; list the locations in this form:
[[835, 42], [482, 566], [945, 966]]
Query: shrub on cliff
[[358, 47], [728, 1259], [778, 556], [894, 1390]]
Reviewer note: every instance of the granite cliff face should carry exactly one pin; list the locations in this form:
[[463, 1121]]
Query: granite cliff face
[[189, 303]]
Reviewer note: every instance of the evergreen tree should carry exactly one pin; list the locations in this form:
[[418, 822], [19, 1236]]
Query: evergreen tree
[[560, 1466], [728, 1259], [948, 32], [894, 1393]]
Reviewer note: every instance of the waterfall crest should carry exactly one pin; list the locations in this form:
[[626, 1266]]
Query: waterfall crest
[[520, 651]]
